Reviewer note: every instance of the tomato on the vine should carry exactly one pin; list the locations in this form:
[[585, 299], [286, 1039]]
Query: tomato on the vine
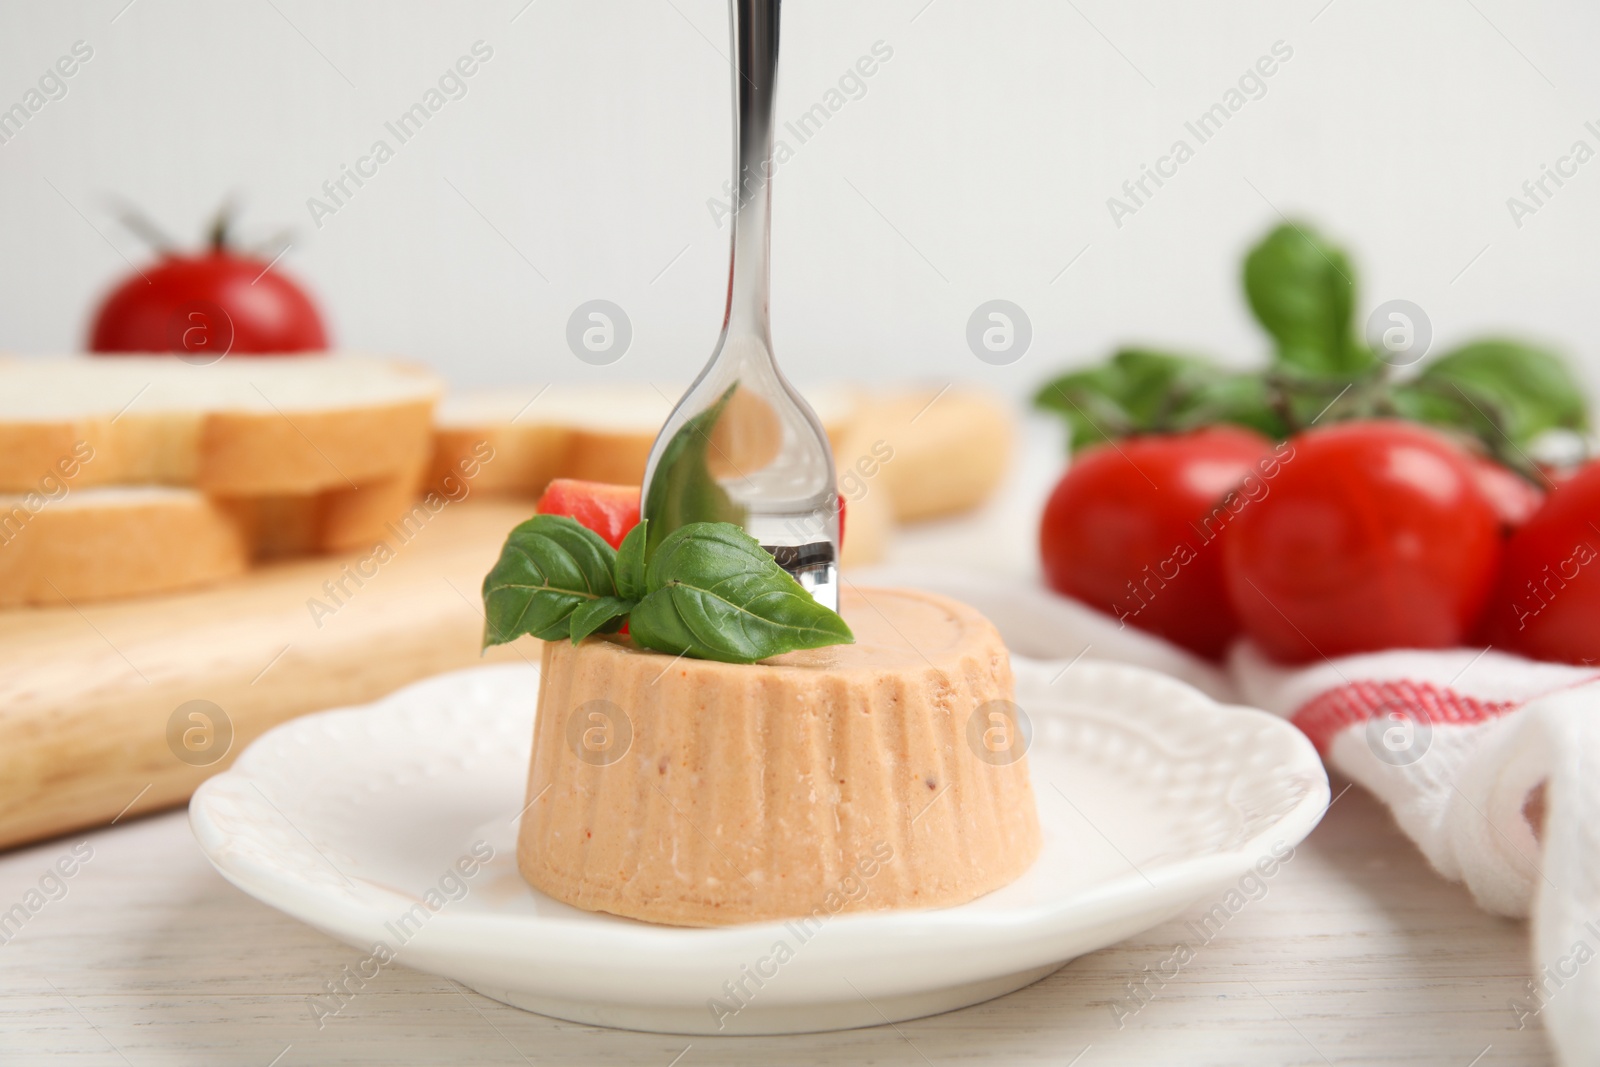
[[1546, 604], [1513, 497], [1131, 529], [1376, 535]]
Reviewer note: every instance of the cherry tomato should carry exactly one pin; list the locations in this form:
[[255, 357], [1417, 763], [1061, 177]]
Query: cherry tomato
[[1131, 526], [1512, 496], [609, 510], [207, 306], [1374, 535], [1546, 604]]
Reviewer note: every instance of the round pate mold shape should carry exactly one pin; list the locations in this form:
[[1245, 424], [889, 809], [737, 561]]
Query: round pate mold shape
[[889, 773]]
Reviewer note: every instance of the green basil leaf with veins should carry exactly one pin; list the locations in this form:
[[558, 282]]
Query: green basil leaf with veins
[[549, 567], [715, 593], [604, 615], [681, 488], [631, 561], [1302, 289]]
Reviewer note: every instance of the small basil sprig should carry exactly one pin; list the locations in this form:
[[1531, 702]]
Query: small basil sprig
[[709, 591], [715, 593]]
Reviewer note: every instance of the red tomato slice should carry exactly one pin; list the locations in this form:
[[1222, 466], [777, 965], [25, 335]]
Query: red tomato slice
[[609, 510]]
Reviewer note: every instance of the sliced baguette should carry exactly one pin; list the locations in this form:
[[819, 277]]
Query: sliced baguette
[[101, 544], [242, 427]]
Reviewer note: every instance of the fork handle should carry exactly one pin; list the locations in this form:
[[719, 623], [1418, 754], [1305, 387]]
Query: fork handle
[[754, 27]]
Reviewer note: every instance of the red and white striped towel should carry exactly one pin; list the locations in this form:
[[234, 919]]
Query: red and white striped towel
[[1489, 762]]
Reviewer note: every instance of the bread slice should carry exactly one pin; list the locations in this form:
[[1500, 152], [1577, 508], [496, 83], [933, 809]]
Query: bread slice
[[539, 434], [334, 520], [596, 433], [902, 456], [241, 427], [80, 545], [108, 542]]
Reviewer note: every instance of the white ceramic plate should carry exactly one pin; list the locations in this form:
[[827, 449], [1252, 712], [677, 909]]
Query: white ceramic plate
[[1152, 798]]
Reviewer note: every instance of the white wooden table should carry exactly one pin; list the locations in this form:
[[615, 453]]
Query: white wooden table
[[1358, 954]]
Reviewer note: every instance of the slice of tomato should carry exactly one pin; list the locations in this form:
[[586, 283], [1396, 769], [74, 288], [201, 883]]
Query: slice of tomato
[[609, 510]]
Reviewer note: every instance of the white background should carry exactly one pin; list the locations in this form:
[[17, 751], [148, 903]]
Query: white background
[[977, 166]]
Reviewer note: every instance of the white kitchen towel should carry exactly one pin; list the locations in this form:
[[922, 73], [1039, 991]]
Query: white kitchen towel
[[1487, 760], [1483, 757], [1437, 737]]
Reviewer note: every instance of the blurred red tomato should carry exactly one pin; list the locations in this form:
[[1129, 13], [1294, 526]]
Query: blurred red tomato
[[1512, 496], [207, 306], [1375, 536], [1546, 604], [1130, 528]]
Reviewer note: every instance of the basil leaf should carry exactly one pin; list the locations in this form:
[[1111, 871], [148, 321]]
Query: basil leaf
[[630, 563], [717, 594], [681, 488], [1302, 289], [1145, 391], [1438, 404], [1152, 383], [1088, 400], [1244, 398], [604, 615], [1517, 389], [549, 567], [1132, 393]]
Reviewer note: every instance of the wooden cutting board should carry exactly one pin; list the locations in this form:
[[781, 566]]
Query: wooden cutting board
[[91, 729]]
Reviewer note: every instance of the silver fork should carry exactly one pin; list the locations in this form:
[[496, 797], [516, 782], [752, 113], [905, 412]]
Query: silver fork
[[743, 446]]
